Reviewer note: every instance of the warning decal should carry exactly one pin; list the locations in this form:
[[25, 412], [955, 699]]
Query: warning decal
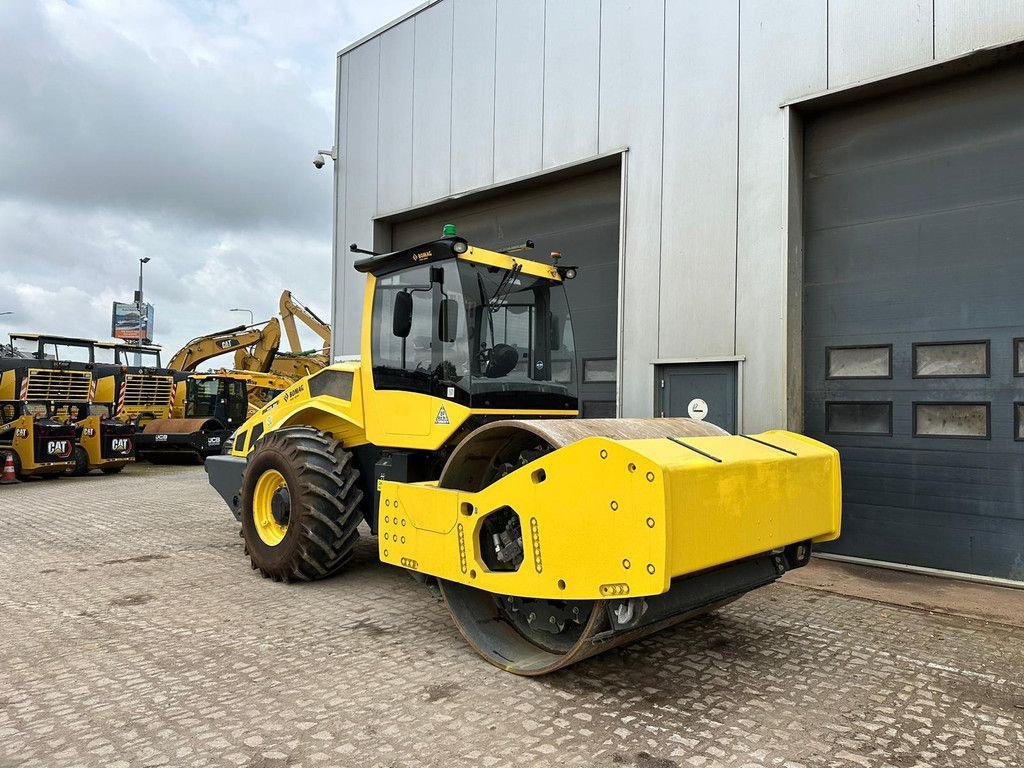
[[442, 417]]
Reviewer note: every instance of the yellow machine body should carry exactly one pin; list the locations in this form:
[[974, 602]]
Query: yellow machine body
[[41, 442], [647, 512], [550, 537]]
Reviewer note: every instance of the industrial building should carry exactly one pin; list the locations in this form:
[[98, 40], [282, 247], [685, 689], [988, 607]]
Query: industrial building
[[804, 214]]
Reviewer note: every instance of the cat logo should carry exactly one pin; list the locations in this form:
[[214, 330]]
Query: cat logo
[[227, 343], [89, 432], [121, 444], [22, 433], [442, 417], [59, 448]]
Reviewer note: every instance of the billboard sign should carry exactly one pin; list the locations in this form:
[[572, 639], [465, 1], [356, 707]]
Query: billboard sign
[[128, 323]]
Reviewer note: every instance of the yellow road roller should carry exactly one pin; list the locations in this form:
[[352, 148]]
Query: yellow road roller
[[454, 438]]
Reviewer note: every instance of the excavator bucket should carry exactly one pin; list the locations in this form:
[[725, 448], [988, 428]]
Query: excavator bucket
[[554, 540]]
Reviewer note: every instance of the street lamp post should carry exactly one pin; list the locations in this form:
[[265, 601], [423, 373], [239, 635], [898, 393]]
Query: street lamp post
[[242, 309], [138, 306]]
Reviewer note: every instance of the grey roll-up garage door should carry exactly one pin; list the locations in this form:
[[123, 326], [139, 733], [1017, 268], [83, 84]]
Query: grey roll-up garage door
[[578, 216], [913, 315]]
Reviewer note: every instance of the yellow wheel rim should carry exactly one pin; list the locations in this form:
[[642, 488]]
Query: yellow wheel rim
[[270, 531]]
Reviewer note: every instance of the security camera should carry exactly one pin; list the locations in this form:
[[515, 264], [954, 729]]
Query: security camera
[[319, 160]]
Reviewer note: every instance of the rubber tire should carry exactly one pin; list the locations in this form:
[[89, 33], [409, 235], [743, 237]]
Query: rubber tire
[[81, 459], [111, 470], [325, 505]]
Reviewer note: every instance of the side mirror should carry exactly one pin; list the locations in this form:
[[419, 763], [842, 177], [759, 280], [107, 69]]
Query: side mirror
[[556, 332], [401, 318], [448, 320]]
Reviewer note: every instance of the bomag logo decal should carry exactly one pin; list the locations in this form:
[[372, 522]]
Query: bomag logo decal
[[421, 256], [59, 448], [292, 394], [121, 444]]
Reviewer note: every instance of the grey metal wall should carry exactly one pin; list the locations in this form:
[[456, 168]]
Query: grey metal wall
[[464, 94]]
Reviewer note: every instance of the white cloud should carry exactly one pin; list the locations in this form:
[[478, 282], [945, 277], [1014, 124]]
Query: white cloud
[[180, 131]]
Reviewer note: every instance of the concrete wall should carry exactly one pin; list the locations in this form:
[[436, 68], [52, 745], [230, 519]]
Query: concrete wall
[[465, 94]]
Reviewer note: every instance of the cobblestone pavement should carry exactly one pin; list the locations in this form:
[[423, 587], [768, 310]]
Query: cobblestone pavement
[[135, 634]]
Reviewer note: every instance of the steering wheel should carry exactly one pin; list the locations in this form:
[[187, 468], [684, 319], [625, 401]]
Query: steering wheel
[[498, 361]]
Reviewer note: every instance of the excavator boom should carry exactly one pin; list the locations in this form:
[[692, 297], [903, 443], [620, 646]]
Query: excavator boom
[[291, 309], [264, 341]]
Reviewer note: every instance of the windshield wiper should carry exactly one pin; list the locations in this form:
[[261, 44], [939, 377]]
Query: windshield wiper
[[506, 285]]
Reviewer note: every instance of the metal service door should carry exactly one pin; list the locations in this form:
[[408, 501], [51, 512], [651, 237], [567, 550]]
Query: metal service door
[[702, 391]]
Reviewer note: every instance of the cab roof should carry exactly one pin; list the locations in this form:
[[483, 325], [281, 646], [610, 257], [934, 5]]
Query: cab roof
[[444, 249]]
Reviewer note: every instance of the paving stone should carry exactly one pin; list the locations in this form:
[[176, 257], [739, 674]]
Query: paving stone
[[135, 634]]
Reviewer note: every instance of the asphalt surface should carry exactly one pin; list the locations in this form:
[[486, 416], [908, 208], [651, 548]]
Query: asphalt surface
[[133, 633]]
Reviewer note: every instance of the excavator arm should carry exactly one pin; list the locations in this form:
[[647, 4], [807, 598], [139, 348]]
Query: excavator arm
[[264, 341], [291, 309]]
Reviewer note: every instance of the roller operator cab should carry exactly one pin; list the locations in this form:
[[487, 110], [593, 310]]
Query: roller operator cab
[[454, 438]]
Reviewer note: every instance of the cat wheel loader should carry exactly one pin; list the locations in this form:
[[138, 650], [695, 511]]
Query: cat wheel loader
[[131, 379], [50, 417], [454, 439]]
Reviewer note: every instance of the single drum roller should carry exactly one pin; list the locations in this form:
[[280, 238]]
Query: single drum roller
[[454, 439]]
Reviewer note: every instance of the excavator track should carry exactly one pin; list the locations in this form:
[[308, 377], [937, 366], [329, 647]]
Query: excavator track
[[537, 636]]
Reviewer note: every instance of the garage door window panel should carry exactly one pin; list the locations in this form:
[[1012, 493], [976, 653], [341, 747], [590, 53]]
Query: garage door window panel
[[953, 359], [1018, 421], [971, 421], [859, 362], [872, 418], [1018, 357]]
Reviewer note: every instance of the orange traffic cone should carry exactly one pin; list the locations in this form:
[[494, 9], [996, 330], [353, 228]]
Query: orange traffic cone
[[8, 476]]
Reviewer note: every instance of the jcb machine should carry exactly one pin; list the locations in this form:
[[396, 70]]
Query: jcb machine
[[551, 538], [59, 378], [211, 406]]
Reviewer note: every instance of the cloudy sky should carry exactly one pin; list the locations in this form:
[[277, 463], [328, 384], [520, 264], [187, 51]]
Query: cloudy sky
[[183, 131]]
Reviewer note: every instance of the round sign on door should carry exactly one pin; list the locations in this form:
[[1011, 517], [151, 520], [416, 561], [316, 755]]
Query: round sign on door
[[697, 409]]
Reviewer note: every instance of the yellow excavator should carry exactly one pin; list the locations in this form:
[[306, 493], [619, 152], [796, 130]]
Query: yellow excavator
[[454, 439], [290, 309], [255, 346]]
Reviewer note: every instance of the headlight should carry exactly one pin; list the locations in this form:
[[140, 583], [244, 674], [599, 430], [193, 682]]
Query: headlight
[[460, 246]]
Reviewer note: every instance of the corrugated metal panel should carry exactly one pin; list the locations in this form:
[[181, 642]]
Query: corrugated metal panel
[[782, 55], [698, 246], [472, 162], [394, 137], [964, 25], [518, 88], [360, 169], [632, 62], [869, 38], [341, 181], [432, 104], [572, 68]]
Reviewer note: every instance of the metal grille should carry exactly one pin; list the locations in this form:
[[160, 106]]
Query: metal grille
[[147, 390], [65, 386]]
